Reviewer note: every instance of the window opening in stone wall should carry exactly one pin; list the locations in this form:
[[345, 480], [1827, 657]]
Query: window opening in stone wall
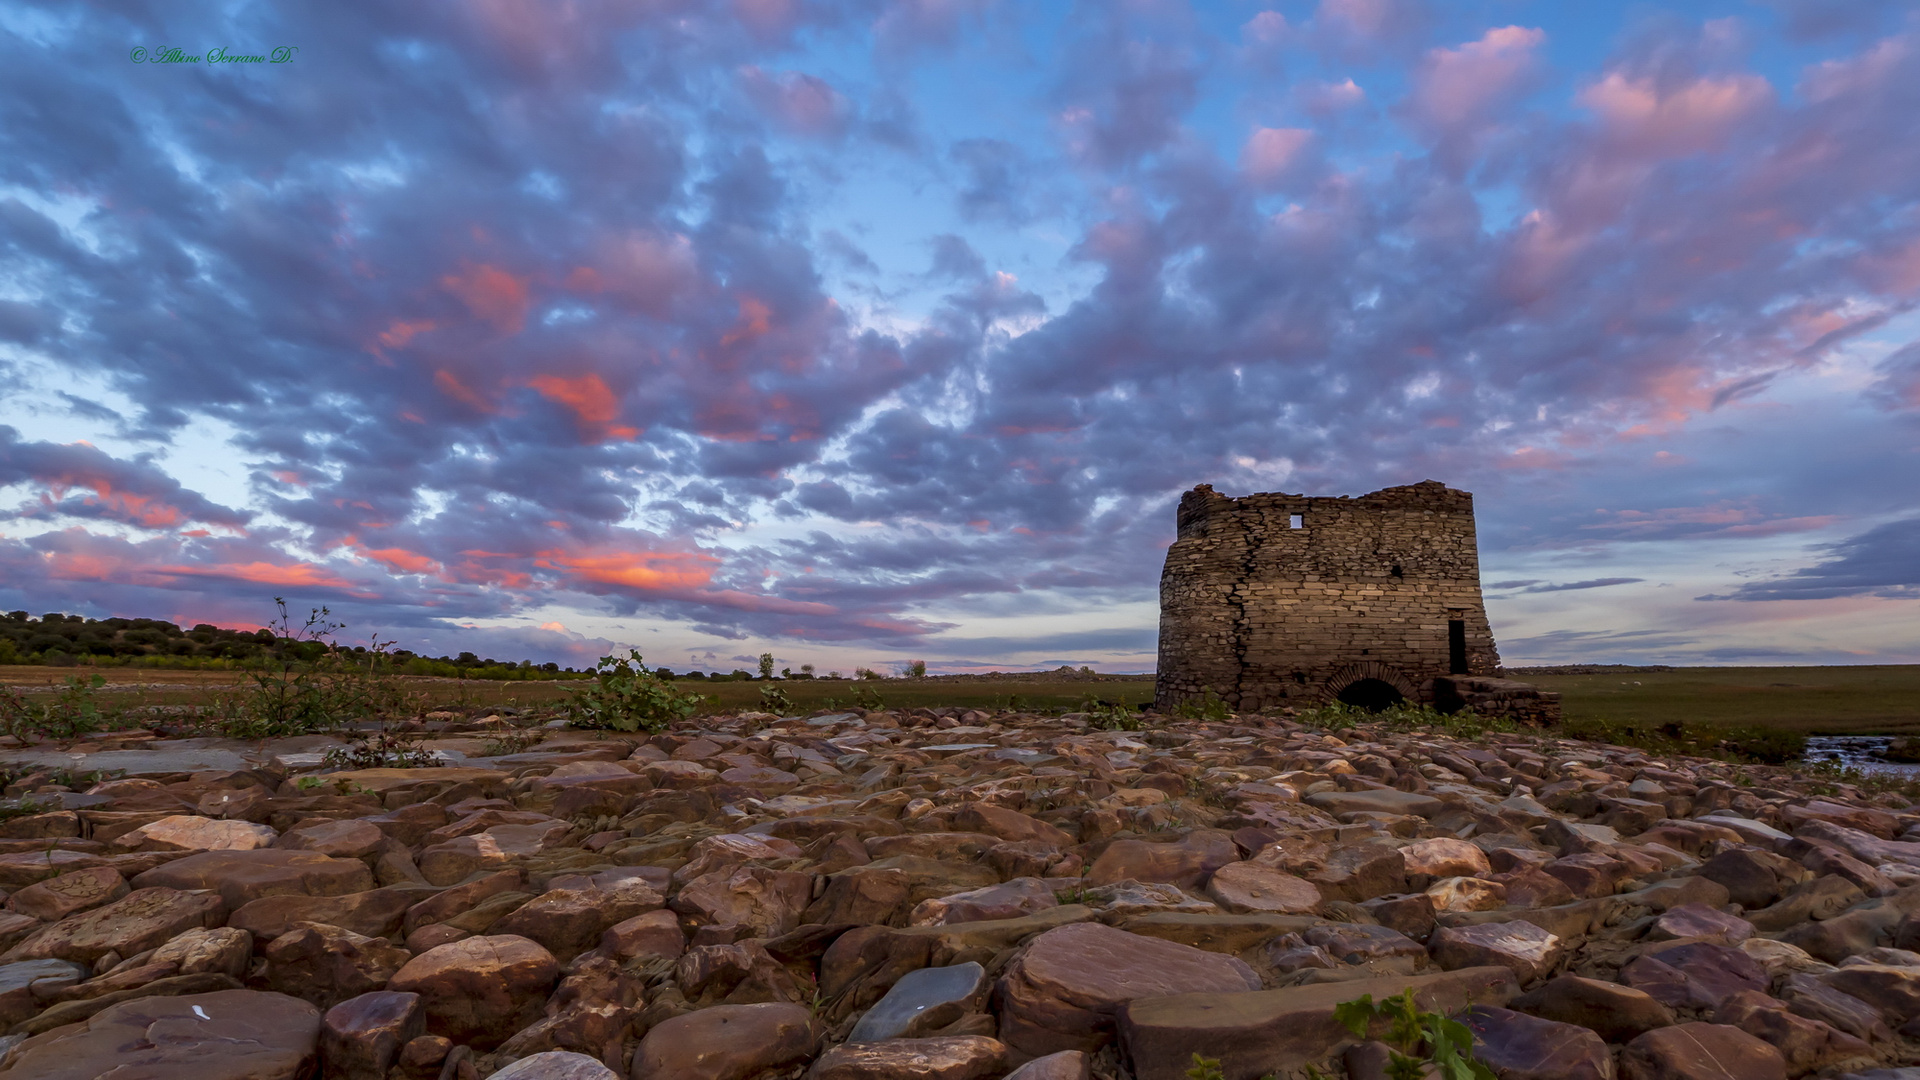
[[1456, 646], [1396, 571], [1296, 521]]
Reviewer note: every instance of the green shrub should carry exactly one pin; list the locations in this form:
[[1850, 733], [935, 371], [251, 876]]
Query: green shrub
[[73, 711], [625, 696], [1418, 1040], [1110, 716], [775, 700], [300, 691], [381, 750]]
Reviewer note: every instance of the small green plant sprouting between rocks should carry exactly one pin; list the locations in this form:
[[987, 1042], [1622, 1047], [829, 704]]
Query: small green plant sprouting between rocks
[[1417, 1040], [387, 749], [1110, 716], [868, 698], [511, 741], [1206, 1068], [24, 806], [1078, 894], [775, 700], [625, 696]]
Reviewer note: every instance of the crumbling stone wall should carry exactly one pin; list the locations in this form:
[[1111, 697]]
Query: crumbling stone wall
[[1275, 599]]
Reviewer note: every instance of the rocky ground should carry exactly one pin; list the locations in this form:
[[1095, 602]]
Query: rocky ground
[[948, 895]]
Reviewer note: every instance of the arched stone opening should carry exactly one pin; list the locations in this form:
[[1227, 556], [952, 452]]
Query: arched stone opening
[[1344, 685], [1373, 695]]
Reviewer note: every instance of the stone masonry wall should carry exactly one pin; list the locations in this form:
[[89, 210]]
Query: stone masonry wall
[[1276, 598]]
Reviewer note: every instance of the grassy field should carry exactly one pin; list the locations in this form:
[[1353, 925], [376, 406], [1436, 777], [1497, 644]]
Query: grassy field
[[1814, 700], [1865, 700], [132, 687]]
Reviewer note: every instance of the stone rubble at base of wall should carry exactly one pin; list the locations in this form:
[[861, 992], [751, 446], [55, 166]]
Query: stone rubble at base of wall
[[1508, 699]]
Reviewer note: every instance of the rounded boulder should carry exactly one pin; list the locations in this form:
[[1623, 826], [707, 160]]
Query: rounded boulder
[[479, 990]]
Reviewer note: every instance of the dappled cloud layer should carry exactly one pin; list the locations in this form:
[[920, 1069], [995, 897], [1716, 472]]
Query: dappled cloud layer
[[855, 323]]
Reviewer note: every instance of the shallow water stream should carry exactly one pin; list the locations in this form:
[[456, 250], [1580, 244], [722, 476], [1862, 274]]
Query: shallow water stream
[[1860, 752]]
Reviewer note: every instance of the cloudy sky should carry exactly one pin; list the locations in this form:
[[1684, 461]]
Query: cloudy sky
[[867, 330]]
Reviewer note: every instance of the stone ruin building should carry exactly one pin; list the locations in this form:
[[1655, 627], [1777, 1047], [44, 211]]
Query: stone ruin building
[[1277, 599]]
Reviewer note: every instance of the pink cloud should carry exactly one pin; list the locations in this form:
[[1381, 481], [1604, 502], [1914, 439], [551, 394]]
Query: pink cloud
[[491, 294], [768, 19], [1329, 98], [1720, 519], [1271, 155], [1457, 88], [1860, 75], [1541, 249], [1267, 28], [910, 24], [1365, 18], [1645, 118], [643, 271], [594, 405], [804, 104]]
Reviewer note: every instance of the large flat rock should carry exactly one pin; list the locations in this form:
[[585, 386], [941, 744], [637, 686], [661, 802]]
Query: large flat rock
[[1262, 1031], [1384, 801], [185, 756], [226, 1035], [243, 876], [1063, 992]]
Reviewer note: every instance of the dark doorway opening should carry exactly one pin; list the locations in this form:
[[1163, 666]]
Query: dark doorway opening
[[1373, 695], [1456, 646]]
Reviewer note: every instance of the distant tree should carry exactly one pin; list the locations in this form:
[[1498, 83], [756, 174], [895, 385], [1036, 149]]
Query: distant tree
[[917, 668], [766, 665]]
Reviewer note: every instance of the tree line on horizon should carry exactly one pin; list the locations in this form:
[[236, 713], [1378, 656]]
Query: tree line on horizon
[[56, 639]]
